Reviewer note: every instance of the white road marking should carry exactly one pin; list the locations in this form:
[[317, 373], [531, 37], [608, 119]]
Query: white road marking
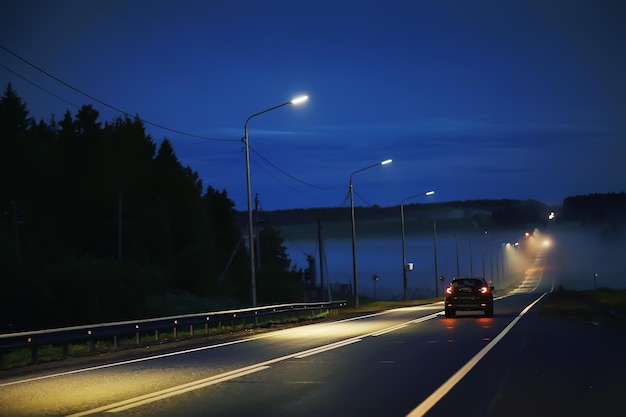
[[170, 392], [389, 330], [190, 386], [198, 349], [326, 348], [127, 362], [440, 392]]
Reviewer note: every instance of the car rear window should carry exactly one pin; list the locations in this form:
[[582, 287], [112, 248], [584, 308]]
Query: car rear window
[[468, 283]]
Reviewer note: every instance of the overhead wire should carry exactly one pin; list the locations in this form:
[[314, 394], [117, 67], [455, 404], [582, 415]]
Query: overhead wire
[[361, 197], [117, 109], [158, 125], [289, 175], [295, 245], [279, 180], [38, 86]]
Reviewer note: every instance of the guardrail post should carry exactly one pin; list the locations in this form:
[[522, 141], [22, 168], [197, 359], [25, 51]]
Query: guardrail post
[[66, 350], [191, 330], [156, 335], [114, 341]]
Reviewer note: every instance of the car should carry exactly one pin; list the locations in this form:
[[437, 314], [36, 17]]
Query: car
[[468, 294]]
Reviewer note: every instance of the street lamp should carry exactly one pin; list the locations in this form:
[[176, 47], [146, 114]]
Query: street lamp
[[404, 265], [296, 100], [354, 276]]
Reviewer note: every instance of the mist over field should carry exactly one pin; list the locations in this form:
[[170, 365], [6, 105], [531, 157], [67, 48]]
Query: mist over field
[[572, 255], [582, 251], [461, 254]]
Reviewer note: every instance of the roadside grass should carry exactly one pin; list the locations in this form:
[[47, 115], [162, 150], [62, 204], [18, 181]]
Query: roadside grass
[[613, 299], [601, 306]]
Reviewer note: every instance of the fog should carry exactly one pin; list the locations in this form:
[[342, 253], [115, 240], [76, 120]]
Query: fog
[[581, 252], [573, 255]]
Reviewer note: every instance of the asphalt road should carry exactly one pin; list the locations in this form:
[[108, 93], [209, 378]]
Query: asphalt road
[[409, 361]]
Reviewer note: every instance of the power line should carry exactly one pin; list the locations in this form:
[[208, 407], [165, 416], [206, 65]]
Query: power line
[[291, 176], [345, 200], [38, 86], [361, 197], [280, 181], [160, 126]]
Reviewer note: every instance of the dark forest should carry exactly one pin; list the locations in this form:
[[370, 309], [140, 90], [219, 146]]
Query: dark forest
[[99, 224]]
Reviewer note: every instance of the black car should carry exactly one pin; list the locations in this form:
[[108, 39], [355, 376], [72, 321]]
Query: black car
[[468, 294]]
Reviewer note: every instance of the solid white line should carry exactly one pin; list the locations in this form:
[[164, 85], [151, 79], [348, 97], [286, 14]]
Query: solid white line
[[389, 330], [155, 396], [426, 318], [170, 392], [440, 392], [187, 389], [127, 362], [327, 348], [197, 349]]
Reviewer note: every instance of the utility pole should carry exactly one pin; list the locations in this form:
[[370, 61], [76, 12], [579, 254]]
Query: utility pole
[[456, 239], [258, 232], [119, 226], [436, 268], [321, 251], [471, 258]]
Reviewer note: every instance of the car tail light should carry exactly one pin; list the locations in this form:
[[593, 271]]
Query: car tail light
[[484, 290], [449, 290]]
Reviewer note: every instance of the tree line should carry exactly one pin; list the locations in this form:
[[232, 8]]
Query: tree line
[[594, 208], [99, 223], [502, 213]]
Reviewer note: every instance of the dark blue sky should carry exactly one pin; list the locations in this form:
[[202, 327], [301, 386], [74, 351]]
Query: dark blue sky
[[475, 99]]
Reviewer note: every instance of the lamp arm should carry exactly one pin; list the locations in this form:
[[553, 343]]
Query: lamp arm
[[265, 111]]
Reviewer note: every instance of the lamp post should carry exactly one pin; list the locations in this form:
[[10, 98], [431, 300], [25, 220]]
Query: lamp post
[[355, 281], [435, 251], [471, 258], [296, 100], [404, 265]]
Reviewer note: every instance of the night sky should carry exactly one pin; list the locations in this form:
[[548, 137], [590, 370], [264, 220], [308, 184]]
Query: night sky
[[474, 99]]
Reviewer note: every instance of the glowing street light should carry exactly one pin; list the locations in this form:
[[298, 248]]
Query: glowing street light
[[354, 274], [404, 264], [294, 101]]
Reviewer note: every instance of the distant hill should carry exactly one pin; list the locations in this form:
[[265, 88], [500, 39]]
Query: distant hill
[[481, 214], [595, 208]]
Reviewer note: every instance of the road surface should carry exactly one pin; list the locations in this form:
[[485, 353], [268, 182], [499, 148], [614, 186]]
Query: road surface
[[408, 361]]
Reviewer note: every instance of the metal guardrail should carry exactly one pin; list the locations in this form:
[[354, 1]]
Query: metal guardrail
[[94, 332]]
